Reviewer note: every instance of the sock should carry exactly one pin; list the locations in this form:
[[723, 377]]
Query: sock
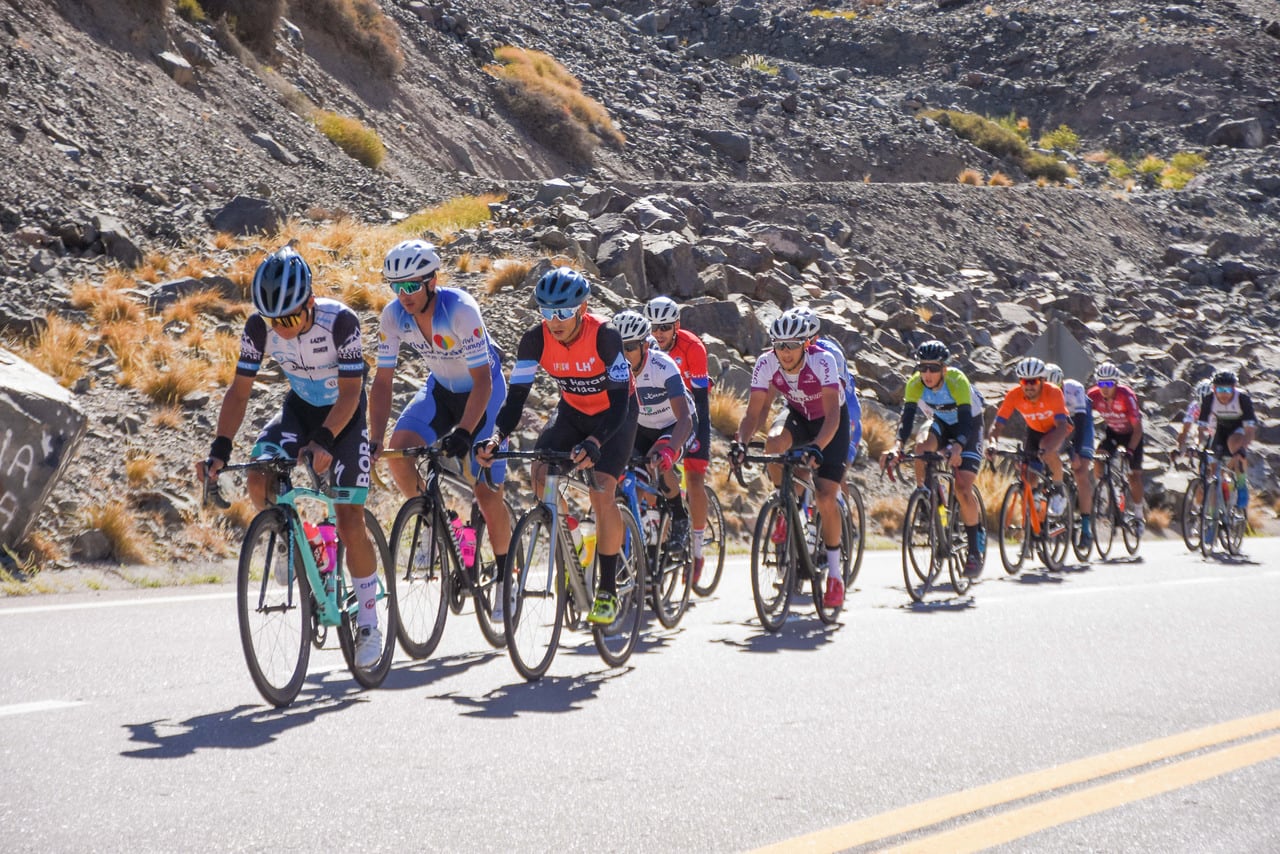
[[1086, 523], [833, 564], [1138, 511], [367, 594], [971, 533], [608, 580], [697, 541], [499, 564], [1242, 490]]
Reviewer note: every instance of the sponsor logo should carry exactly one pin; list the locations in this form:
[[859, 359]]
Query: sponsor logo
[[443, 342]]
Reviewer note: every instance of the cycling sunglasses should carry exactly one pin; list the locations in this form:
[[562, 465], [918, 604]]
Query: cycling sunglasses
[[929, 368], [1106, 383], [559, 313], [632, 346], [410, 287], [787, 345], [1031, 380], [1224, 389], [289, 320], [663, 327]]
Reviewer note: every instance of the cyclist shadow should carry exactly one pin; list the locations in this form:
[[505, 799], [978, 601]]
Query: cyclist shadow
[[239, 728], [1123, 560], [417, 674], [798, 633], [1232, 560], [549, 695], [954, 605]]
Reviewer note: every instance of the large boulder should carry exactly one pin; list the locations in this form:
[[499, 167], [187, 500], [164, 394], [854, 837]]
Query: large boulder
[[42, 425]]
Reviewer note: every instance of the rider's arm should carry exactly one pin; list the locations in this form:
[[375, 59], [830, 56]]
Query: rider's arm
[[478, 400], [520, 383], [908, 421], [348, 402], [380, 404], [683, 427], [757, 410], [234, 404]]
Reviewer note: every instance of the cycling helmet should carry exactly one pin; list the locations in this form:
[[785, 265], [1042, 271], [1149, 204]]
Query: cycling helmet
[[662, 310], [1203, 388], [412, 259], [1053, 373], [787, 327], [811, 322], [563, 287], [631, 325], [933, 350], [1225, 378], [1029, 368], [1107, 371], [282, 283]]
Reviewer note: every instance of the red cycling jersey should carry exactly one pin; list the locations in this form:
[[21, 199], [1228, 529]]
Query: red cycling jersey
[[1122, 413], [690, 356]]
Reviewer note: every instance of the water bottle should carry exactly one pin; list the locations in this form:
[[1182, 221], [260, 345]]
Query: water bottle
[[329, 538], [588, 549], [316, 542], [575, 535], [650, 516], [465, 535], [810, 531]]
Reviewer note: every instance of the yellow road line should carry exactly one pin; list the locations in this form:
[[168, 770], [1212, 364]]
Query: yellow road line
[[1015, 824], [926, 813]]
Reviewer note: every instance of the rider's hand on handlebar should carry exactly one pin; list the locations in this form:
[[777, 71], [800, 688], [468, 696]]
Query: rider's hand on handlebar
[[456, 442], [585, 454], [485, 450], [737, 452], [812, 455], [663, 456]]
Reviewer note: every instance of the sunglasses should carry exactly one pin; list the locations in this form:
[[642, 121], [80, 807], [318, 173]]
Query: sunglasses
[[559, 313], [663, 327], [289, 320], [1031, 381], [930, 368], [787, 345], [407, 288], [1106, 383], [632, 346], [1224, 389]]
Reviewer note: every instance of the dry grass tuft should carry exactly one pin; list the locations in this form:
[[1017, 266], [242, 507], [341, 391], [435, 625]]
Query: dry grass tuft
[[725, 408], [139, 468], [57, 350], [359, 141], [120, 526], [999, 179], [970, 176], [878, 434], [451, 216], [168, 418], [992, 485], [1159, 519], [363, 28], [889, 513], [507, 273]]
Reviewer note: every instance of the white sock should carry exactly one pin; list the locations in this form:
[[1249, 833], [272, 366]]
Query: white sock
[[697, 541], [833, 564], [367, 595]]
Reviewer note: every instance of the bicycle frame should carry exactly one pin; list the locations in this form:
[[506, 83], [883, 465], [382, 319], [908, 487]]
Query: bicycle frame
[[796, 521]]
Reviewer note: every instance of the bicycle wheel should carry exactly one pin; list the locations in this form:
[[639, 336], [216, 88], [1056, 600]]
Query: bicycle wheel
[[959, 550], [670, 570], [1209, 516], [533, 595], [1077, 522], [385, 605], [273, 603], [487, 579], [829, 615], [1014, 534], [422, 568], [772, 567], [1192, 511], [616, 641], [1128, 519], [1233, 530], [855, 524], [713, 547], [1056, 541], [1104, 518], [920, 565]]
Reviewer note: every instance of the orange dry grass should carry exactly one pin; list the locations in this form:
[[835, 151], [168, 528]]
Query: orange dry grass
[[970, 176], [139, 468], [878, 434], [507, 273], [540, 73], [992, 485], [999, 179], [1159, 519], [108, 303], [889, 513], [725, 409], [120, 526], [168, 418], [57, 350]]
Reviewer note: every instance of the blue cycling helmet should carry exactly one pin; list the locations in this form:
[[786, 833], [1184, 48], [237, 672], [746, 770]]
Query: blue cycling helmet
[[563, 287], [282, 283]]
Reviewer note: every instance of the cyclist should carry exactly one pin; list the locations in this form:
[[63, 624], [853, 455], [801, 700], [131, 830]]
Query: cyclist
[[596, 417], [1080, 451], [1122, 425], [458, 402], [954, 408], [316, 341], [813, 326], [1236, 426], [818, 418], [1202, 390], [690, 356], [1044, 410], [665, 422]]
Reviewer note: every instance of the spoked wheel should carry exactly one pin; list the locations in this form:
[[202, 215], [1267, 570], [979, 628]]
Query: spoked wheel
[[713, 548], [829, 614], [1104, 519], [1192, 512], [855, 525], [273, 603], [1056, 542], [384, 605], [772, 567], [920, 564], [1078, 548], [423, 573], [1128, 519], [488, 580], [670, 569], [616, 641], [959, 547], [1233, 532], [1014, 533], [533, 595]]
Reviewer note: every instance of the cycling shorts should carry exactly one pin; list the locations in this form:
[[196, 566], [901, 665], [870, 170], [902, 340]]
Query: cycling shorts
[[1112, 440], [294, 427], [835, 455], [1081, 436], [970, 453], [647, 437], [569, 427], [1224, 431], [435, 410]]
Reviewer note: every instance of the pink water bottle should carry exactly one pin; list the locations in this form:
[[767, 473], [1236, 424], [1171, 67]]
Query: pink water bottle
[[329, 536], [466, 537]]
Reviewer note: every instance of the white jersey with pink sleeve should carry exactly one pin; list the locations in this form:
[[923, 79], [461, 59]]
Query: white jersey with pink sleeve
[[802, 390]]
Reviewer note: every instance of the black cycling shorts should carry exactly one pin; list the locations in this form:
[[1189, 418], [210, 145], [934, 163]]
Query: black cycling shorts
[[569, 427], [295, 426], [835, 456]]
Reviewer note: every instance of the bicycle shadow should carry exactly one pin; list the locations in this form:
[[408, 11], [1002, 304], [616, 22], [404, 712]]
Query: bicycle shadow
[[955, 605], [1123, 560], [549, 695], [798, 633], [1232, 560], [418, 674]]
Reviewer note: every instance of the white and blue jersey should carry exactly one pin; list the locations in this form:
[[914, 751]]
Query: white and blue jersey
[[459, 341], [658, 382], [850, 393], [315, 360]]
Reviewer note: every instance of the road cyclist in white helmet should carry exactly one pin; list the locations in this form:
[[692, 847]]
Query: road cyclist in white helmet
[[1080, 448]]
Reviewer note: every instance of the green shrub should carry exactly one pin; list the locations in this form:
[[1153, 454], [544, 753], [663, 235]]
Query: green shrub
[[1038, 165], [1188, 161], [1062, 139], [758, 62], [1019, 125], [190, 10], [356, 139], [1119, 167], [1175, 179], [991, 136]]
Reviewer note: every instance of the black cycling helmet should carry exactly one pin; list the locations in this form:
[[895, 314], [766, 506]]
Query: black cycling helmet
[[933, 351], [282, 284], [563, 287], [1225, 378]]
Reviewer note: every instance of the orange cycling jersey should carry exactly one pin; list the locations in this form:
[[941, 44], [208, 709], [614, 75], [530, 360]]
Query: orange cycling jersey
[[585, 368], [1041, 413]]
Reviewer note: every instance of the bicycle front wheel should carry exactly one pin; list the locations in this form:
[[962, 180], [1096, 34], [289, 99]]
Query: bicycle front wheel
[[422, 569], [533, 595], [713, 547], [960, 546], [1014, 532], [273, 603], [616, 641], [773, 565], [1056, 541], [670, 568], [920, 564], [1104, 518], [385, 605], [1192, 511], [855, 525], [1233, 533]]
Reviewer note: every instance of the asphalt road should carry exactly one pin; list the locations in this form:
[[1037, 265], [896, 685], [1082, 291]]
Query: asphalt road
[[1122, 706]]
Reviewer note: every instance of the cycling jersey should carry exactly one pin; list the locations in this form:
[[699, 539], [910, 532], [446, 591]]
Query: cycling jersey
[[1041, 414], [459, 341], [850, 392], [313, 361], [1236, 412], [954, 402], [656, 385], [802, 390], [1077, 399], [1121, 413], [690, 356]]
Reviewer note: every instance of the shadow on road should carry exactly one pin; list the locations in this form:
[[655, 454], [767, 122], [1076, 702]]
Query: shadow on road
[[417, 674], [549, 695], [956, 605], [799, 633], [1232, 560]]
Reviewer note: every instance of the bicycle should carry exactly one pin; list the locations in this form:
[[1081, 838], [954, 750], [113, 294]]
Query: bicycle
[[670, 568], [1080, 550], [1112, 503], [427, 554], [933, 533], [1193, 499], [779, 567], [546, 586], [1026, 524], [713, 544], [1221, 520], [851, 500], [285, 603]]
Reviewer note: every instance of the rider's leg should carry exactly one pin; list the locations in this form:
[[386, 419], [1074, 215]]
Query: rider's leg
[[1235, 444]]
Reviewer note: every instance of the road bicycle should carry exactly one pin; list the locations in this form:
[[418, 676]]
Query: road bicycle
[[713, 544], [283, 600], [1026, 526], [851, 501], [441, 556], [781, 564], [546, 584], [670, 566], [1192, 510], [1221, 521], [1078, 546], [1113, 506], [933, 534]]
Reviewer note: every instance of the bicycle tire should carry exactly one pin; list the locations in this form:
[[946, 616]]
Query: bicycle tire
[[1055, 540], [829, 614], [1128, 519], [669, 571], [533, 589], [616, 641], [274, 617], [1104, 518], [857, 525], [1014, 532], [959, 551], [1191, 512], [1209, 517], [487, 585], [713, 547], [772, 567], [919, 539], [1233, 538], [385, 605], [423, 571]]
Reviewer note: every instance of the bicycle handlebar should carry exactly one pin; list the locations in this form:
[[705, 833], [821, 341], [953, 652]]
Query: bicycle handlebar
[[211, 491]]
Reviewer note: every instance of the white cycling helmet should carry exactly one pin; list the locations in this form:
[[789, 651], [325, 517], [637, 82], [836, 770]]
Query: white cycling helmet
[[1107, 371], [412, 259], [662, 310], [1053, 373], [787, 327], [1029, 368], [631, 325], [1203, 388], [811, 322]]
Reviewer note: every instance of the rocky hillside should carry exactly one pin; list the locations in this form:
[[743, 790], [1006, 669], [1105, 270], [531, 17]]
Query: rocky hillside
[[772, 155]]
